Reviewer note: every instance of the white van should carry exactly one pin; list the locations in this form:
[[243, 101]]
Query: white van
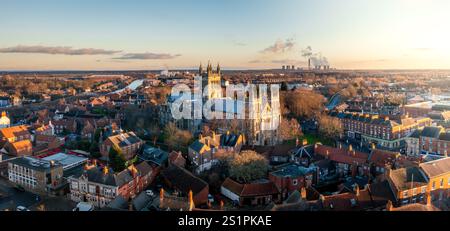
[[83, 206]]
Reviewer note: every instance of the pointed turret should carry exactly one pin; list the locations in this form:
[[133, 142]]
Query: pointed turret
[[218, 68], [209, 68], [200, 69]]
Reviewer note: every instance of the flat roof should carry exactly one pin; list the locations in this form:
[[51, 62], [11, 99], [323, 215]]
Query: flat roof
[[68, 161]]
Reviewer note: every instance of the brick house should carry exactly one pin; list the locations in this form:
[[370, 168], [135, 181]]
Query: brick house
[[183, 181], [383, 132], [292, 177], [257, 193], [438, 174], [15, 133], [99, 186], [348, 162], [435, 141], [128, 143], [409, 185], [20, 148]]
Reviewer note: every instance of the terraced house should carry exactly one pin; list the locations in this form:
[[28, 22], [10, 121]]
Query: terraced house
[[438, 175], [99, 186], [383, 132]]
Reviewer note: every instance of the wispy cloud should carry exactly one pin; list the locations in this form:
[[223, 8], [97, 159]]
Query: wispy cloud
[[423, 49], [57, 50], [147, 55], [240, 44], [280, 46]]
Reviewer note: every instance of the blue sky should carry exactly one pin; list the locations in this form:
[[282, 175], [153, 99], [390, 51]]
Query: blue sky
[[356, 34]]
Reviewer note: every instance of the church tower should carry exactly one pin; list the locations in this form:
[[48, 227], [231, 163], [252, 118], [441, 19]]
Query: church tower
[[4, 120], [213, 80]]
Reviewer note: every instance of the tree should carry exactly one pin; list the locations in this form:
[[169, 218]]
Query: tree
[[304, 104], [248, 166], [116, 159], [330, 127], [176, 138], [94, 150], [289, 129]]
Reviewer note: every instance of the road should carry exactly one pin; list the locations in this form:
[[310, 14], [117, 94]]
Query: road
[[10, 197]]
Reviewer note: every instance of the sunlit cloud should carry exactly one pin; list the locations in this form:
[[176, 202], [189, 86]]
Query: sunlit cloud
[[57, 50], [280, 46]]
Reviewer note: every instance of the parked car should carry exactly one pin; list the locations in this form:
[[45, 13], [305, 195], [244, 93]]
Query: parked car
[[83, 206], [210, 198], [21, 208], [149, 193]]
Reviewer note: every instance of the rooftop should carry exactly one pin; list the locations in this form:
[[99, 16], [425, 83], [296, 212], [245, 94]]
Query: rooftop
[[68, 161], [35, 163]]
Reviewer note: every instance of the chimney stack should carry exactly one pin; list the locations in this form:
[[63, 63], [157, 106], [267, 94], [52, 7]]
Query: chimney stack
[[303, 193], [161, 197], [191, 200], [389, 206], [356, 190]]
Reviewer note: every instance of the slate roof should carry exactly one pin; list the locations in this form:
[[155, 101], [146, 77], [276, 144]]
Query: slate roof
[[229, 140], [292, 170], [154, 155], [197, 146], [432, 132], [445, 136], [124, 139]]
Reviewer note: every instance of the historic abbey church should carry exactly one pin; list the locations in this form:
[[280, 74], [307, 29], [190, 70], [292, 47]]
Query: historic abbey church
[[262, 129]]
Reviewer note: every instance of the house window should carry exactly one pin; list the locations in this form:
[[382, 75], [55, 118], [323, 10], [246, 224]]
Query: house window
[[433, 186], [414, 191], [405, 194], [442, 183], [424, 189]]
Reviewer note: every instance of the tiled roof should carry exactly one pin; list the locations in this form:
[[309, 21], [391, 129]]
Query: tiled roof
[[382, 157], [251, 189], [432, 132], [436, 167], [14, 131], [416, 207], [341, 155], [22, 145], [404, 178], [348, 201], [183, 180]]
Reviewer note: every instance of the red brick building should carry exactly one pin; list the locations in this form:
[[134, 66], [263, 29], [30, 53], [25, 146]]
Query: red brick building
[[128, 143], [292, 177], [386, 133]]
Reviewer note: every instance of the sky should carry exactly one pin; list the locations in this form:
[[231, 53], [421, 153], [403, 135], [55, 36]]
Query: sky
[[240, 34]]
